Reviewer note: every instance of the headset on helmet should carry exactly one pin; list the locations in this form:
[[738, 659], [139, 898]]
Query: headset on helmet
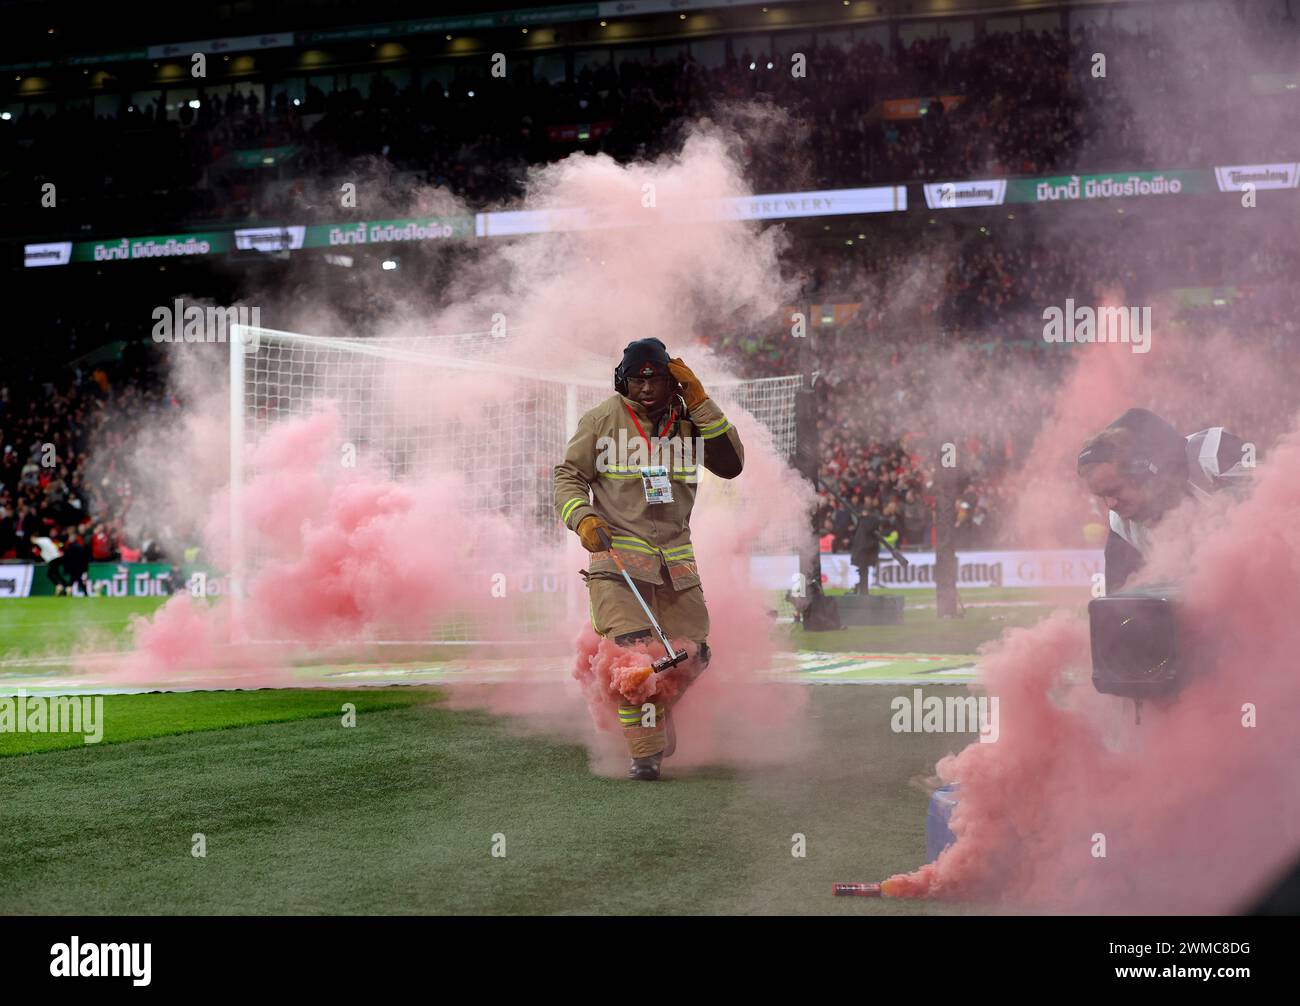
[[1158, 447], [1133, 467]]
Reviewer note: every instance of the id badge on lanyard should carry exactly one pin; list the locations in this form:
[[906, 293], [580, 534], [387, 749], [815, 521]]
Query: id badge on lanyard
[[657, 484]]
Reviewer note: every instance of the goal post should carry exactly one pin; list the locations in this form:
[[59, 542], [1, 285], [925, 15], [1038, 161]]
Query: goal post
[[238, 436]]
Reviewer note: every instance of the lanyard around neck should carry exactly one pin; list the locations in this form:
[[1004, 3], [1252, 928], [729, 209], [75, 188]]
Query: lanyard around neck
[[672, 418]]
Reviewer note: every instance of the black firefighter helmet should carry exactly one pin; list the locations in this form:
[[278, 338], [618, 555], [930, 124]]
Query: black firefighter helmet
[[643, 358]]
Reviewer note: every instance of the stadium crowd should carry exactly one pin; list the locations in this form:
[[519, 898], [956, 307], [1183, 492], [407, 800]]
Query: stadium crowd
[[1002, 104], [62, 476]]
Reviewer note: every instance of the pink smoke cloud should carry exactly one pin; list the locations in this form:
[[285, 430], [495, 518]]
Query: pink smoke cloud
[[1196, 804], [343, 555]]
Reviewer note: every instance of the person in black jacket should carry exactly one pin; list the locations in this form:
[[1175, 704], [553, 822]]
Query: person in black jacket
[[1141, 468], [864, 548]]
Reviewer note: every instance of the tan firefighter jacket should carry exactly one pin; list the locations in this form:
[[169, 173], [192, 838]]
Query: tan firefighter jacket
[[602, 473]]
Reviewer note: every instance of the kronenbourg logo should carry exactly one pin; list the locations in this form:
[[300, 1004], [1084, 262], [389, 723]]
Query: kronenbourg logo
[[1235, 177], [952, 195], [49, 253], [270, 239]]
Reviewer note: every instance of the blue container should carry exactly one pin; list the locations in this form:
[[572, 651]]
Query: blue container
[[937, 834]]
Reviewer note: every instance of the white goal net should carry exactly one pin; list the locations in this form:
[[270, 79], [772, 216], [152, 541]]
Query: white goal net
[[416, 406]]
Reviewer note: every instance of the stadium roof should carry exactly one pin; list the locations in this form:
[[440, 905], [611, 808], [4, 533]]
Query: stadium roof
[[39, 34]]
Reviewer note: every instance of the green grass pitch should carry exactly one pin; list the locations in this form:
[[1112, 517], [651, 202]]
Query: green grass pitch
[[401, 812]]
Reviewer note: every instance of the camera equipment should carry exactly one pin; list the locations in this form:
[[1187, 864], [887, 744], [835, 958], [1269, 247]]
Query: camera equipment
[[1135, 643], [894, 553]]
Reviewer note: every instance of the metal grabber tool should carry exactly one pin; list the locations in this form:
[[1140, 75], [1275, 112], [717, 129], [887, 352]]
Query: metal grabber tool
[[673, 657]]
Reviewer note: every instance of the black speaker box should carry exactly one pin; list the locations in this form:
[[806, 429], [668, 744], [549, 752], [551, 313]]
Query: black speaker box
[[821, 615], [869, 609]]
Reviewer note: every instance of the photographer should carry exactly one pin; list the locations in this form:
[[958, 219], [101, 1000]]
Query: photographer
[[864, 550], [1141, 468]]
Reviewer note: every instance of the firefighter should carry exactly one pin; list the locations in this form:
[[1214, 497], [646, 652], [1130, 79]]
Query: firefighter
[[629, 477]]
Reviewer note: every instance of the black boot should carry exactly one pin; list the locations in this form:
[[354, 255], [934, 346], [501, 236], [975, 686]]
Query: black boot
[[646, 769]]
